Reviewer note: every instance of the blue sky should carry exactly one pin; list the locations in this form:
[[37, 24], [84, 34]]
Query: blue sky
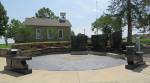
[[81, 13]]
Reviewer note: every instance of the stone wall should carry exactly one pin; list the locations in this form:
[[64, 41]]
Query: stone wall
[[41, 45], [3, 52], [40, 52]]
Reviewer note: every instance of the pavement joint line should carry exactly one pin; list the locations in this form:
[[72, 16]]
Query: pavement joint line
[[78, 77]]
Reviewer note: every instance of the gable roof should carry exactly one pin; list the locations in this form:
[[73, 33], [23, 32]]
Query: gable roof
[[46, 22]]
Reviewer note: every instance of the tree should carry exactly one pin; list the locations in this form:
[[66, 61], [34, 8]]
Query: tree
[[16, 29], [130, 11], [107, 24], [24, 34], [103, 23], [45, 13], [3, 21], [13, 29], [144, 20]]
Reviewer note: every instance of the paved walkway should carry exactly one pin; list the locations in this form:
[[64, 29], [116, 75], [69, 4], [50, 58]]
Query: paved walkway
[[109, 75]]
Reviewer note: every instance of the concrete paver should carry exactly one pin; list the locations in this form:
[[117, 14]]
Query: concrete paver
[[67, 62]]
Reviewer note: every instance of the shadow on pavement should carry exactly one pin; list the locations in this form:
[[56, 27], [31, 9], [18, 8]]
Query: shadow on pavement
[[11, 73], [141, 68]]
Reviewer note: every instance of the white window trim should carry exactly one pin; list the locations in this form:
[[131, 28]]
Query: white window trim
[[48, 37], [62, 34], [38, 35]]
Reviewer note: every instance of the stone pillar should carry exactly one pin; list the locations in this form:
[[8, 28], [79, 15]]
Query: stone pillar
[[130, 54], [134, 59]]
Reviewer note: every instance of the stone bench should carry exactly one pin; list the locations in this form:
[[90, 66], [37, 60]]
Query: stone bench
[[17, 63]]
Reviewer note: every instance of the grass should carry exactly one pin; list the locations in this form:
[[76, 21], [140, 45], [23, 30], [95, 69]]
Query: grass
[[4, 46], [145, 41]]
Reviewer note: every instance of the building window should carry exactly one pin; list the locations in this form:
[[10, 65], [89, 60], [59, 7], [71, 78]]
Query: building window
[[49, 34], [60, 34], [38, 33]]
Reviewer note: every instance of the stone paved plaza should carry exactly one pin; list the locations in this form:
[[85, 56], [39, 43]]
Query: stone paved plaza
[[110, 72], [73, 62]]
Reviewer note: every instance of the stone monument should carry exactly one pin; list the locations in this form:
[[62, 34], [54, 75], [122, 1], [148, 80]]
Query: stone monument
[[17, 63], [134, 55], [79, 45]]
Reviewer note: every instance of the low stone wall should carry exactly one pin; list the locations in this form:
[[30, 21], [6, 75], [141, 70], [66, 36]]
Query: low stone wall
[[40, 45], [37, 52], [40, 52], [3, 52]]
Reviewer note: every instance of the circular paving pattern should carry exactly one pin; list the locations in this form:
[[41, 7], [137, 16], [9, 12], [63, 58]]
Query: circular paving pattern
[[67, 62]]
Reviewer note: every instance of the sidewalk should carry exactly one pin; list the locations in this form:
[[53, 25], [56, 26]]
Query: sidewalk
[[110, 75]]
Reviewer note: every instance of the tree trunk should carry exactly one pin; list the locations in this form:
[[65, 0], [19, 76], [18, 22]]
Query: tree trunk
[[129, 19], [6, 42], [5, 38]]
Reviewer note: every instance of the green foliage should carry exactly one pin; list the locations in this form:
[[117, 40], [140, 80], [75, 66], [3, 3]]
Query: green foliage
[[5, 46], [107, 24], [138, 13], [132, 13], [13, 28], [16, 29], [147, 2], [3, 20], [46, 13], [24, 33], [145, 41]]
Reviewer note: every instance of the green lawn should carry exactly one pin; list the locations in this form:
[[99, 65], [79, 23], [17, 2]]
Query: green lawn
[[4, 46], [145, 41]]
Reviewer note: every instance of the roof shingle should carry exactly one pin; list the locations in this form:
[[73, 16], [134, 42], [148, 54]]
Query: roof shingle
[[46, 22]]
